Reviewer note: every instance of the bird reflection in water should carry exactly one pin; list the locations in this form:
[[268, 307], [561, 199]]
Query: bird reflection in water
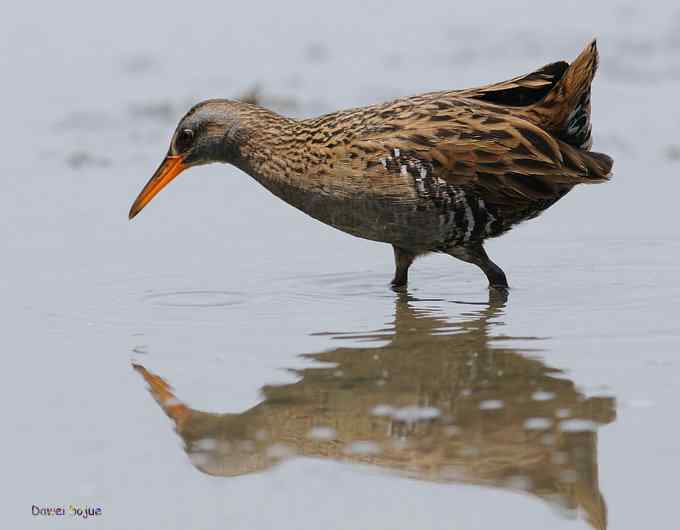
[[426, 397]]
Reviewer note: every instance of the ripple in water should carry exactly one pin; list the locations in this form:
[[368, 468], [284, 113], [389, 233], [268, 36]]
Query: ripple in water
[[195, 298]]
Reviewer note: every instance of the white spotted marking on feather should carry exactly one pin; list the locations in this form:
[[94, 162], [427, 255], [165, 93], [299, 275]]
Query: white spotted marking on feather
[[404, 170], [396, 152], [573, 128], [420, 181], [573, 113], [469, 217], [491, 218], [383, 161], [589, 139]]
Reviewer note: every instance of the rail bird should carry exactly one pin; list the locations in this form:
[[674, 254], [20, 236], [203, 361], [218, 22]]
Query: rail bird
[[437, 172]]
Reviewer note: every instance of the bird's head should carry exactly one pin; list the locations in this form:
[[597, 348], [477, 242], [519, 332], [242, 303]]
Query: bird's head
[[212, 131]]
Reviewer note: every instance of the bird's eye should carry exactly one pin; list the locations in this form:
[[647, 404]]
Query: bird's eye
[[184, 139]]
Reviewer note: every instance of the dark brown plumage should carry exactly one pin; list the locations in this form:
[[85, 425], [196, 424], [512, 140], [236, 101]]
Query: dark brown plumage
[[438, 172]]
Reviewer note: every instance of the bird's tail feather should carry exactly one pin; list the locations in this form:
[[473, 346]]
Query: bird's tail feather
[[565, 110]]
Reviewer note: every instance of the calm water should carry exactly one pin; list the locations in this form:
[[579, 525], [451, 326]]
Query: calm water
[[226, 362]]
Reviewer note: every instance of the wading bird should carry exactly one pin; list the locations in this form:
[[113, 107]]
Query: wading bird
[[437, 172]]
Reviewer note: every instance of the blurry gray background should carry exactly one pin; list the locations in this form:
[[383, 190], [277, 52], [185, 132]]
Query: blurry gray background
[[220, 286]]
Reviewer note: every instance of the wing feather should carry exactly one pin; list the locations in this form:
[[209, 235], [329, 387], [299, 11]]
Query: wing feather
[[504, 158]]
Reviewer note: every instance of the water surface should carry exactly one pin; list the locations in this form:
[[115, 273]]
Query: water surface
[[226, 362]]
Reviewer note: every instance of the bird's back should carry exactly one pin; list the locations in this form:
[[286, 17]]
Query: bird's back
[[482, 159]]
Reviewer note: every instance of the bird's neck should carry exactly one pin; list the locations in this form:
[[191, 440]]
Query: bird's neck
[[274, 149]]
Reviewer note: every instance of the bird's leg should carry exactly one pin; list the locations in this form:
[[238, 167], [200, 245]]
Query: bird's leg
[[493, 272], [477, 255], [402, 261]]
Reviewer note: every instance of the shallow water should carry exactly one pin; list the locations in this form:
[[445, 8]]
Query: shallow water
[[226, 362]]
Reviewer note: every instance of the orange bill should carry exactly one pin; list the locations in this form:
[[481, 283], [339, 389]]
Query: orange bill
[[172, 166]]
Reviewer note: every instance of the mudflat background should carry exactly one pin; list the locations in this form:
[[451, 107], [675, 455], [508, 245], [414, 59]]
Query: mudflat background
[[295, 389]]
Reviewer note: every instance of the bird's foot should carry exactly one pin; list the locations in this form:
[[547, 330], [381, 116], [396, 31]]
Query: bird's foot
[[398, 286], [499, 292]]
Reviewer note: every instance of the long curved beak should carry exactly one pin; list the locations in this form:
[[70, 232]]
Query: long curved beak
[[172, 166]]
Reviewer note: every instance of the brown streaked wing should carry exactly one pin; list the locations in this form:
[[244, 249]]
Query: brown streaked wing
[[519, 91], [507, 160]]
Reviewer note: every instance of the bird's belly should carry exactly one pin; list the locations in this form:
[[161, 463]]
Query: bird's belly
[[416, 223]]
